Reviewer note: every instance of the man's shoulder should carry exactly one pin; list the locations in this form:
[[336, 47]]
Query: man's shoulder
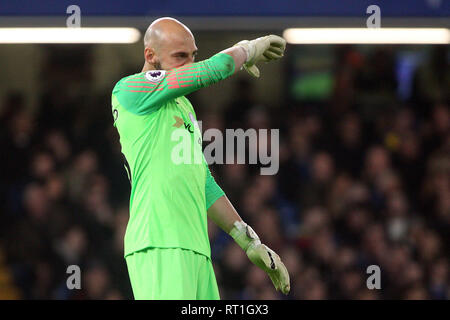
[[137, 92], [135, 76], [142, 80], [127, 89], [122, 93]]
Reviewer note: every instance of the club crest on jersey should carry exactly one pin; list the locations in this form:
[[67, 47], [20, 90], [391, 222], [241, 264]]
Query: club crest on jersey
[[155, 75]]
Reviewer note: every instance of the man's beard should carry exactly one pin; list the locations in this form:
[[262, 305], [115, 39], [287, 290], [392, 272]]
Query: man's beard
[[158, 66]]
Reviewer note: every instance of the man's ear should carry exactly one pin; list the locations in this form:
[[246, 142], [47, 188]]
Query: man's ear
[[150, 56]]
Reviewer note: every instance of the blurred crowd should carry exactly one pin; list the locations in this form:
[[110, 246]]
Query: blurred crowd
[[364, 179]]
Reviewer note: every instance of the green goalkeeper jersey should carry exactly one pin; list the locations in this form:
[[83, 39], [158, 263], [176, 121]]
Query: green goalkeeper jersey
[[169, 199]]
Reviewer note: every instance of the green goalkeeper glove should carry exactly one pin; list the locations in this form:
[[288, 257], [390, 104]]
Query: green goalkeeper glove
[[261, 255], [264, 49]]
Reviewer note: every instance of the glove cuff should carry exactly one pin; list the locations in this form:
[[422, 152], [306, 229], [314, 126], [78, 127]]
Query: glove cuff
[[245, 44], [244, 235]]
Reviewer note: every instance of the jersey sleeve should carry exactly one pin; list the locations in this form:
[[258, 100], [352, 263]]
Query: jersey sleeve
[[212, 189], [146, 92]]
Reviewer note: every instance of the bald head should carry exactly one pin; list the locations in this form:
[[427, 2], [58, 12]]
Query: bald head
[[163, 30], [168, 44]]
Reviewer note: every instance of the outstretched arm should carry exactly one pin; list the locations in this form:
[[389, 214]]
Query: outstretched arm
[[146, 92]]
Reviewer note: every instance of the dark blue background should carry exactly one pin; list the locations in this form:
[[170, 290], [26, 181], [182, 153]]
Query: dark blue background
[[392, 8]]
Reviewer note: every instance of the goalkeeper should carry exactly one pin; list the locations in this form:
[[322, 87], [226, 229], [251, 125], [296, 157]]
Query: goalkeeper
[[167, 248]]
